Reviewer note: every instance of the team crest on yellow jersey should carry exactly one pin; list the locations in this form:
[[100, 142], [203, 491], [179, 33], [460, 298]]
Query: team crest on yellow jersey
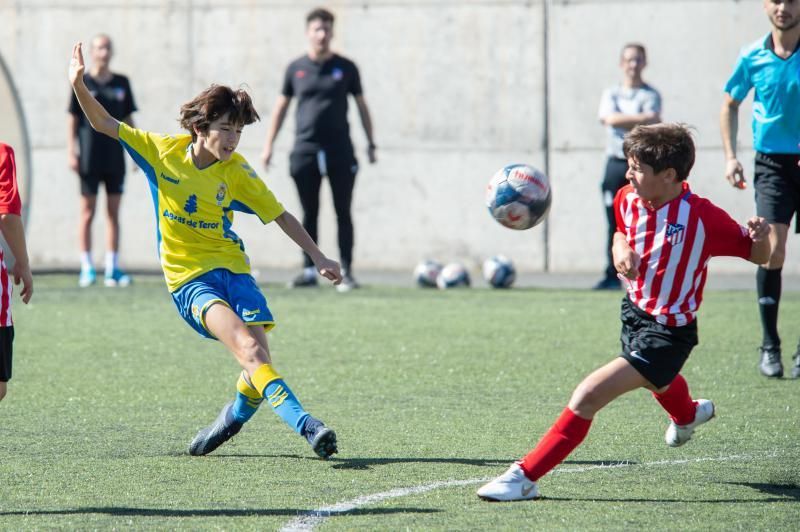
[[221, 191]]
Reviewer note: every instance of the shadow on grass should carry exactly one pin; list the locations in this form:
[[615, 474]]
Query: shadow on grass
[[221, 512], [779, 493], [368, 463], [783, 490], [667, 501]]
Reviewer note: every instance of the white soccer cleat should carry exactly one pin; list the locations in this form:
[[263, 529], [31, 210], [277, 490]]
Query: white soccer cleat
[[677, 435], [512, 485]]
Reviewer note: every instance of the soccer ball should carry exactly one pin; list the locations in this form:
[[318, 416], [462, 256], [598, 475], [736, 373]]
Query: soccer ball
[[426, 272], [518, 196], [499, 271], [453, 275]]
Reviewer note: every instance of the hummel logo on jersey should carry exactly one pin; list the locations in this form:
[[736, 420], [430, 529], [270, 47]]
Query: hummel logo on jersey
[[250, 315], [249, 170], [170, 179], [675, 233]]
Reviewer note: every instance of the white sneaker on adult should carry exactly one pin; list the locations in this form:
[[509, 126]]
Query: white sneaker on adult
[[677, 435], [512, 485]]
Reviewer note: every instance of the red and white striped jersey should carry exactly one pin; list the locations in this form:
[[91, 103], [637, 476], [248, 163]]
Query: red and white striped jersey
[[675, 243], [9, 204]]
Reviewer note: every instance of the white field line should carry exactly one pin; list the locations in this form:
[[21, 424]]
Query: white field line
[[309, 520]]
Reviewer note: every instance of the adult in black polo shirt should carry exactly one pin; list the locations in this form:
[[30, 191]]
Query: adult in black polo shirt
[[321, 81], [97, 158]]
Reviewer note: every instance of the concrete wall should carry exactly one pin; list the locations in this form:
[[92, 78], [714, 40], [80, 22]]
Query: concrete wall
[[456, 89]]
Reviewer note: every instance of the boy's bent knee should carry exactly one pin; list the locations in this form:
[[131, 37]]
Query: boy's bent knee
[[248, 350], [585, 400]]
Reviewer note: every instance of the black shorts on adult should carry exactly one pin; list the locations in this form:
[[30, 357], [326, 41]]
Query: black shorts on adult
[[777, 184], [6, 352], [340, 167], [656, 351], [90, 183]]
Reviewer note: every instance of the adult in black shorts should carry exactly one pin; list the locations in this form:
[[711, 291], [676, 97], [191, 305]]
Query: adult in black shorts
[[771, 67], [322, 80], [99, 159]]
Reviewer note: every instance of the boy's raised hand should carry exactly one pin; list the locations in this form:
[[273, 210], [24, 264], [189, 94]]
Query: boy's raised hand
[[76, 66]]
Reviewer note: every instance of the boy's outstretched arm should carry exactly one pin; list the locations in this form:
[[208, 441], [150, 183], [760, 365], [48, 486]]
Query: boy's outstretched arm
[[328, 268], [11, 227], [101, 121], [759, 232]]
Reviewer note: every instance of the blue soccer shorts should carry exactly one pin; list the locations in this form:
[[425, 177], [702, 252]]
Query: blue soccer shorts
[[238, 291]]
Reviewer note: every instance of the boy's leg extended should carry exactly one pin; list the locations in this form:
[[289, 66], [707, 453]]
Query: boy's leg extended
[[249, 345], [597, 390]]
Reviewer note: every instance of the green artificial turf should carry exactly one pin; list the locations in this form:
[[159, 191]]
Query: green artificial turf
[[424, 388]]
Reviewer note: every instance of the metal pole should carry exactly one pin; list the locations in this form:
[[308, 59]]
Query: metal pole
[[546, 124]]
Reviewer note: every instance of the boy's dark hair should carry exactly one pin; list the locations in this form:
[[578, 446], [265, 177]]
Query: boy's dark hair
[[662, 146], [319, 13], [636, 46], [214, 102]]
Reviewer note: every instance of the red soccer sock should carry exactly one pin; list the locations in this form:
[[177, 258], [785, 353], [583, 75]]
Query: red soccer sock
[[677, 401], [567, 432]]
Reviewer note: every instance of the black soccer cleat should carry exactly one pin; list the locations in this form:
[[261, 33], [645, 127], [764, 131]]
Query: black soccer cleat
[[321, 438], [223, 429]]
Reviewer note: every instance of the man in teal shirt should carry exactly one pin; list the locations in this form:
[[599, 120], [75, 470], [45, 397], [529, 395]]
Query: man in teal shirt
[[771, 66]]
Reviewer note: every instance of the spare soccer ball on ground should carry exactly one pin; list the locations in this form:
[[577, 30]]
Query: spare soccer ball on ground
[[453, 275], [499, 271], [426, 272], [518, 196]]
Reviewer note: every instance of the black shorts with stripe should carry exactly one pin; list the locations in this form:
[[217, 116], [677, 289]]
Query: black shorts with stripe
[[656, 351], [6, 351], [777, 185]]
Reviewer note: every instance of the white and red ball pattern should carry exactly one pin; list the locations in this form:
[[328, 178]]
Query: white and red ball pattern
[[426, 272], [518, 196], [452, 276], [499, 271]]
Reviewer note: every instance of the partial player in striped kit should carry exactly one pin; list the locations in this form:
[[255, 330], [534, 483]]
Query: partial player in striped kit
[[665, 237], [14, 234], [770, 67]]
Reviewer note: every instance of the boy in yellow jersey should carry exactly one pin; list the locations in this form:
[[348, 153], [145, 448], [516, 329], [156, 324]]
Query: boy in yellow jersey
[[196, 182]]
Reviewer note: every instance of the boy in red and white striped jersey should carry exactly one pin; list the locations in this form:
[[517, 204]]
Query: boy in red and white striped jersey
[[11, 227], [665, 237]]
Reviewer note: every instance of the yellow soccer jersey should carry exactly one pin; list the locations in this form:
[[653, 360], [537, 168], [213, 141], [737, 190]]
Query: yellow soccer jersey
[[194, 208]]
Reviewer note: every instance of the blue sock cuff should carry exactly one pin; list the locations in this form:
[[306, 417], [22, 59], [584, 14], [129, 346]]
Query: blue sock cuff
[[283, 401], [244, 407]]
